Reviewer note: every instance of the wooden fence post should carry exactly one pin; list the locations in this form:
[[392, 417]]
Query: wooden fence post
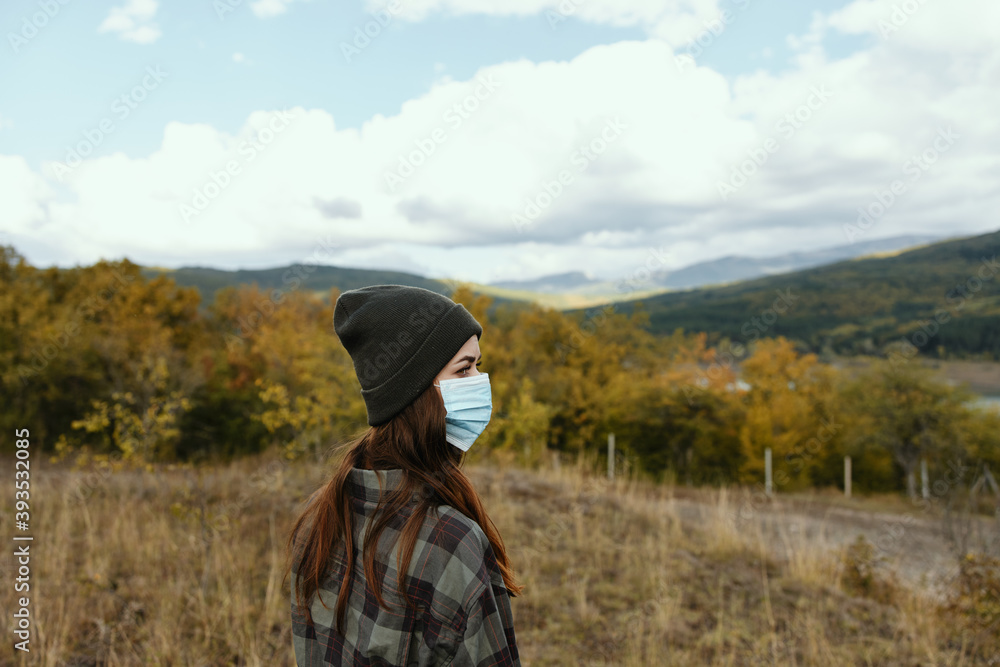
[[768, 488], [847, 476], [611, 457]]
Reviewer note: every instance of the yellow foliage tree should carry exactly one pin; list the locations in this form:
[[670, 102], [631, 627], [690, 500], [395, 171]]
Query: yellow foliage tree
[[787, 410], [140, 427]]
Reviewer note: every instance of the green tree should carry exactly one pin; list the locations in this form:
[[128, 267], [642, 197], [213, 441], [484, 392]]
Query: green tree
[[909, 413]]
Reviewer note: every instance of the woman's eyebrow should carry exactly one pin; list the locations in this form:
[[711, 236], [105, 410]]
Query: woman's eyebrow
[[468, 357]]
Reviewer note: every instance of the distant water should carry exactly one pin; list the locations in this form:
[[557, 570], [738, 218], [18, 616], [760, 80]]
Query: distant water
[[988, 401]]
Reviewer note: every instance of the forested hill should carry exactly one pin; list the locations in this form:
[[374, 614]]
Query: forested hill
[[315, 278], [848, 307], [856, 305]]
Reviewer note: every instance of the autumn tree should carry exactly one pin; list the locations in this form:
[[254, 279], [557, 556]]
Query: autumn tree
[[910, 414], [788, 409], [309, 391], [85, 333]]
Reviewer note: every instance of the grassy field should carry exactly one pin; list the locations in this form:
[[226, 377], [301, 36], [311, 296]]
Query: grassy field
[[177, 566]]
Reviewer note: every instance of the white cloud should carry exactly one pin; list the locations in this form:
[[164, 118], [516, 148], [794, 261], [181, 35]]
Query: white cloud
[[952, 28], [133, 21], [25, 196], [677, 21], [655, 185], [264, 9], [238, 57]]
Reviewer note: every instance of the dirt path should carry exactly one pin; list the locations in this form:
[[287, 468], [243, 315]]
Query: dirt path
[[912, 545]]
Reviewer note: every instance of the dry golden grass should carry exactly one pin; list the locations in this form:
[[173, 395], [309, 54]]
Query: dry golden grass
[[183, 567]]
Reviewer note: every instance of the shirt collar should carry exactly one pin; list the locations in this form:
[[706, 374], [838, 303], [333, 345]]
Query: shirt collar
[[365, 483]]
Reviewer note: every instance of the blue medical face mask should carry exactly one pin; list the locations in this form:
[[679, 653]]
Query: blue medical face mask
[[469, 405]]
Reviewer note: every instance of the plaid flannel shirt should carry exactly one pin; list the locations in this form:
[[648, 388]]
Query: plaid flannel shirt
[[463, 616]]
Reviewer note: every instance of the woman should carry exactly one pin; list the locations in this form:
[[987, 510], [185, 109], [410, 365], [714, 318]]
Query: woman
[[394, 560]]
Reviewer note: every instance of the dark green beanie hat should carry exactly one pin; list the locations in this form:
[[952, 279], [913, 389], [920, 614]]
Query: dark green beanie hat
[[399, 338]]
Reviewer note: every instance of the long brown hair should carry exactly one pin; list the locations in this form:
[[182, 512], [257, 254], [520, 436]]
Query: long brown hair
[[413, 440]]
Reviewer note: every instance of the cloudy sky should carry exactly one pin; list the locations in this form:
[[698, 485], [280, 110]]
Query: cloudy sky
[[488, 140]]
